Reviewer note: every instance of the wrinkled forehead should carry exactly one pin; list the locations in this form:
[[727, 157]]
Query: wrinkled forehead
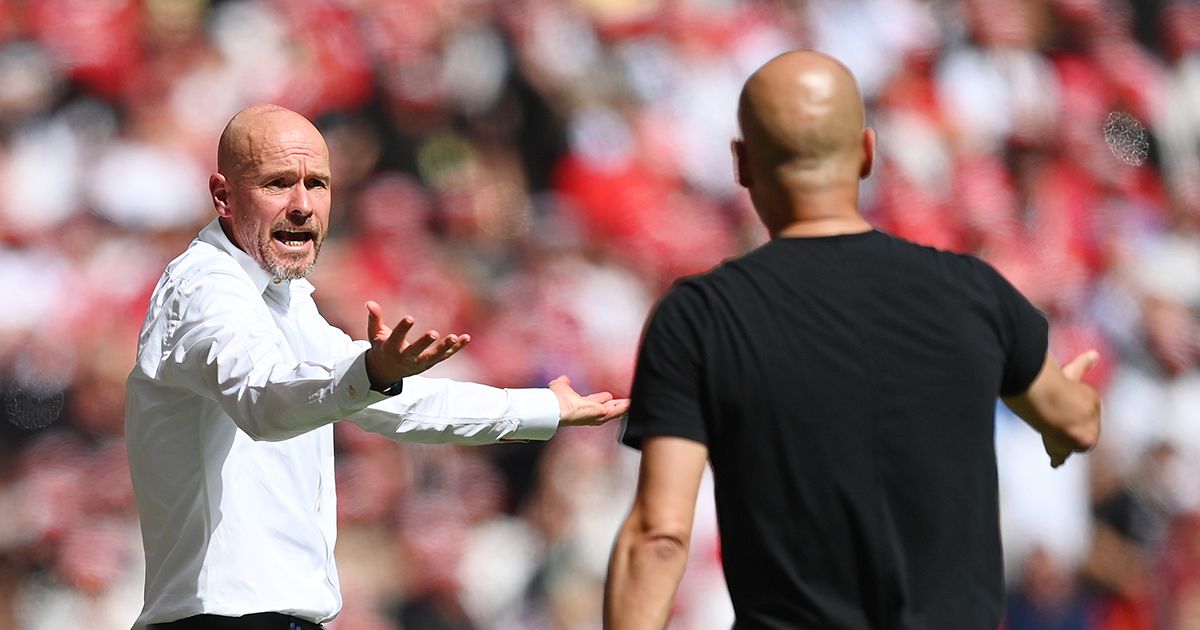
[[278, 139]]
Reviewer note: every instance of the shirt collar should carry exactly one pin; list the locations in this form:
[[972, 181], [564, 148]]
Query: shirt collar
[[262, 279]]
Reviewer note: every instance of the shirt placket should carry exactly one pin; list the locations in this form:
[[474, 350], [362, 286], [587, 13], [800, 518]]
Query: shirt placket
[[279, 300], [278, 295]]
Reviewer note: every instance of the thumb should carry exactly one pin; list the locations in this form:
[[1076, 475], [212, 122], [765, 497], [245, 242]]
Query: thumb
[[561, 385], [374, 321], [1080, 365]]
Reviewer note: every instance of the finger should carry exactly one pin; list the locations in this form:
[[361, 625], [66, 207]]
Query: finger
[[616, 408], [1057, 454], [424, 341], [600, 397], [395, 341], [460, 341], [375, 327], [1081, 364], [439, 351]]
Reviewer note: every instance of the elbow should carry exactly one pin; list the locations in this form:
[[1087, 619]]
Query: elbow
[[658, 539], [665, 549], [266, 418], [261, 428], [260, 433], [264, 437], [663, 544]]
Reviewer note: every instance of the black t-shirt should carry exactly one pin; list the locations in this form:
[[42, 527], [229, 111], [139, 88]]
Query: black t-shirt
[[846, 387]]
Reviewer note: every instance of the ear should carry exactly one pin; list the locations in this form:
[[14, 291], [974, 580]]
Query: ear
[[868, 145], [218, 188], [741, 165]]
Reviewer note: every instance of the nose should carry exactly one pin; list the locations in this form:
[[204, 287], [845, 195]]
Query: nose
[[300, 203]]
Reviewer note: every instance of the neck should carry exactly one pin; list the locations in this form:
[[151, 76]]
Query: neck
[[824, 226], [828, 212], [790, 209]]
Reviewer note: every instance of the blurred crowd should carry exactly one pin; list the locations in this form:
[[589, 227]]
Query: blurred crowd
[[536, 173]]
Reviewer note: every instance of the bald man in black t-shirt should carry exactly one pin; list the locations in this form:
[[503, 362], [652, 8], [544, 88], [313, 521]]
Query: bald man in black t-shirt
[[843, 383]]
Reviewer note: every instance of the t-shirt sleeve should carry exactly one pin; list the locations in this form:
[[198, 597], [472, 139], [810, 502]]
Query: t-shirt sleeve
[[1024, 332], [665, 399]]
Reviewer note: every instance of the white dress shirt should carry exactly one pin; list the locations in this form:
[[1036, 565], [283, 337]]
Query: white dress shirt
[[228, 424]]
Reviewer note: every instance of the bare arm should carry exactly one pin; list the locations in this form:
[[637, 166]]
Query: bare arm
[[1061, 407], [651, 550]]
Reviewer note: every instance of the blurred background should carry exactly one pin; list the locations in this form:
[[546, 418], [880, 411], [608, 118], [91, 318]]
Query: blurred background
[[536, 173]]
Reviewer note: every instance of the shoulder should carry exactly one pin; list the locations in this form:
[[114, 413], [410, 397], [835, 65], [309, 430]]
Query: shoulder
[[958, 267], [682, 310], [697, 296], [731, 270], [903, 247], [201, 265], [692, 292], [200, 281]]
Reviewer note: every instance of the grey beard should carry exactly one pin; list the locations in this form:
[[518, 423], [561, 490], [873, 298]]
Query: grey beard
[[281, 269]]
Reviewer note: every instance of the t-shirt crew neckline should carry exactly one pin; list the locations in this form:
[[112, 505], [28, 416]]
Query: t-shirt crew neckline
[[828, 237]]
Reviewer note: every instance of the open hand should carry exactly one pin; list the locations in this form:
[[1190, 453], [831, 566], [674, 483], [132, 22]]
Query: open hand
[[591, 410], [392, 357], [1060, 449]]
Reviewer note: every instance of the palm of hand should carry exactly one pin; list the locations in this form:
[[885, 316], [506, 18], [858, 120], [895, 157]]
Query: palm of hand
[[590, 410], [392, 357]]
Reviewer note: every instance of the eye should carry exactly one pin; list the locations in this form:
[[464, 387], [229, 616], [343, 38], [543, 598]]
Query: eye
[[278, 182], [314, 182]]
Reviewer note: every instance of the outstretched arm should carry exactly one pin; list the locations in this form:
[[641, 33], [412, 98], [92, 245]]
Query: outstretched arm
[[1065, 410], [651, 550], [438, 410]]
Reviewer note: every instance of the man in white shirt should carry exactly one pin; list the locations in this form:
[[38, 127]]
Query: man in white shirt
[[229, 408]]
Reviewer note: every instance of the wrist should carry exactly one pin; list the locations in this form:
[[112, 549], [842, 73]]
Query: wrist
[[564, 410], [391, 389], [380, 380]]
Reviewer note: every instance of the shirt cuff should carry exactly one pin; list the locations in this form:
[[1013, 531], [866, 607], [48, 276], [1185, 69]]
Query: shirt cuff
[[353, 386], [539, 413]]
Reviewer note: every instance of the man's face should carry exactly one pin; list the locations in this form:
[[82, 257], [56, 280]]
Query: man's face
[[278, 194]]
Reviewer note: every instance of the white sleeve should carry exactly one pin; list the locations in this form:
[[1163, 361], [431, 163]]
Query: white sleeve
[[438, 410], [221, 342]]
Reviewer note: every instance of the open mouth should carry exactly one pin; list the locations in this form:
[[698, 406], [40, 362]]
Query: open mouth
[[293, 238]]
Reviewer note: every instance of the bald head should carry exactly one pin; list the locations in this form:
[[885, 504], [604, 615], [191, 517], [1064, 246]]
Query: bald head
[[801, 107], [272, 188], [257, 129], [805, 145]]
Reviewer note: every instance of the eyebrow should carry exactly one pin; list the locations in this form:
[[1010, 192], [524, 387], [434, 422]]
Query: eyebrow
[[289, 172]]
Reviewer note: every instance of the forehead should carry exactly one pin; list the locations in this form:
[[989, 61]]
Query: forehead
[[280, 140]]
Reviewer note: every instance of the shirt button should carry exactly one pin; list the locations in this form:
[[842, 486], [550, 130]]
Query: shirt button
[[276, 280], [353, 391]]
